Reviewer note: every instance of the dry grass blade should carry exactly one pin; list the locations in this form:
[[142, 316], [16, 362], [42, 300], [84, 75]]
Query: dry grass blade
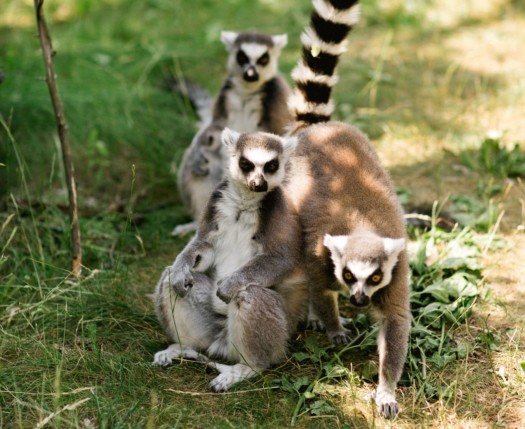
[[69, 407]]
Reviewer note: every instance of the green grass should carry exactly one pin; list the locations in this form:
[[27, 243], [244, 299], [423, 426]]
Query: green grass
[[427, 81]]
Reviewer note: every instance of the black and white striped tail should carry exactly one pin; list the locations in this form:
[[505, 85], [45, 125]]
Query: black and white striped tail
[[323, 42]]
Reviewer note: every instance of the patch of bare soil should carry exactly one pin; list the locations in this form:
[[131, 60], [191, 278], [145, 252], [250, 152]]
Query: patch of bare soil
[[505, 276]]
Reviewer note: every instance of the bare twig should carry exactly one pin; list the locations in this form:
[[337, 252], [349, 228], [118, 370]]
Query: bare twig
[[47, 51]]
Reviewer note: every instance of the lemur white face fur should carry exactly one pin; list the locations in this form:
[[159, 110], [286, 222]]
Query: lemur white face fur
[[257, 161], [253, 56], [363, 263]]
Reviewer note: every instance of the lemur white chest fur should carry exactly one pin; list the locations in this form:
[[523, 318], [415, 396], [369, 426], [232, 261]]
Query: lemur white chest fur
[[238, 221], [244, 110]]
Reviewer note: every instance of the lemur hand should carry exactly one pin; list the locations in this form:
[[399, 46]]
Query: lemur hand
[[228, 287], [178, 277]]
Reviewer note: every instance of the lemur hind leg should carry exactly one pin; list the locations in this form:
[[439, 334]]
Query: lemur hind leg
[[257, 335], [189, 320]]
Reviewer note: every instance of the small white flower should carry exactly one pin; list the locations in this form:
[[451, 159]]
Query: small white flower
[[494, 134]]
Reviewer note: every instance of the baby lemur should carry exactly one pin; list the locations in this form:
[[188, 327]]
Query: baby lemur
[[237, 290], [200, 171], [253, 97], [353, 225]]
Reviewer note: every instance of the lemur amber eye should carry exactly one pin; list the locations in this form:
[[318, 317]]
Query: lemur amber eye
[[245, 165], [210, 140], [348, 276], [242, 58], [271, 166], [264, 59], [376, 278]]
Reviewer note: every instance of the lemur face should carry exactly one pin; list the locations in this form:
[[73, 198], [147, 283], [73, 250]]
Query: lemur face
[[207, 148], [260, 168], [257, 160], [363, 263], [253, 56]]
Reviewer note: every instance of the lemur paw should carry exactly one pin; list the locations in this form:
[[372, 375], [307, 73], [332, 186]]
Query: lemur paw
[[229, 375], [180, 279], [386, 403], [222, 382], [183, 229], [345, 321], [315, 324], [340, 337], [227, 288], [162, 358]]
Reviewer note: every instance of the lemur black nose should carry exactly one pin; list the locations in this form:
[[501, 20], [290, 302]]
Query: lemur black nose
[[359, 300], [258, 187], [250, 74]]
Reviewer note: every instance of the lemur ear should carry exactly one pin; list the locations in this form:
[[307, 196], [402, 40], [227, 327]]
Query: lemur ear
[[336, 244], [228, 38], [289, 145], [280, 40], [229, 138], [393, 245]]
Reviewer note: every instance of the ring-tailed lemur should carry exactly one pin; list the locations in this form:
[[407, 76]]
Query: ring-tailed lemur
[[353, 225], [200, 171], [254, 94], [253, 97], [237, 290]]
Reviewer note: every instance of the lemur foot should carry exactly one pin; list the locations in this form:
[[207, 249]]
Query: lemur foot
[[230, 375], [345, 321], [386, 403], [315, 324], [163, 358], [174, 351], [184, 229], [340, 337]]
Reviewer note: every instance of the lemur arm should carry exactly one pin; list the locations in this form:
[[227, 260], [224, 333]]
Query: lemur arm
[[264, 270], [280, 240], [197, 256]]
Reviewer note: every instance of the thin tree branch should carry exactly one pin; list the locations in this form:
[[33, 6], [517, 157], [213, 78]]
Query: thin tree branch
[[47, 51]]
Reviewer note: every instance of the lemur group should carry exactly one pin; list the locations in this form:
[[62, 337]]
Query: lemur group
[[291, 210]]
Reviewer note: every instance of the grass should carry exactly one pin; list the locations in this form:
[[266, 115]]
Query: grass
[[439, 89]]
